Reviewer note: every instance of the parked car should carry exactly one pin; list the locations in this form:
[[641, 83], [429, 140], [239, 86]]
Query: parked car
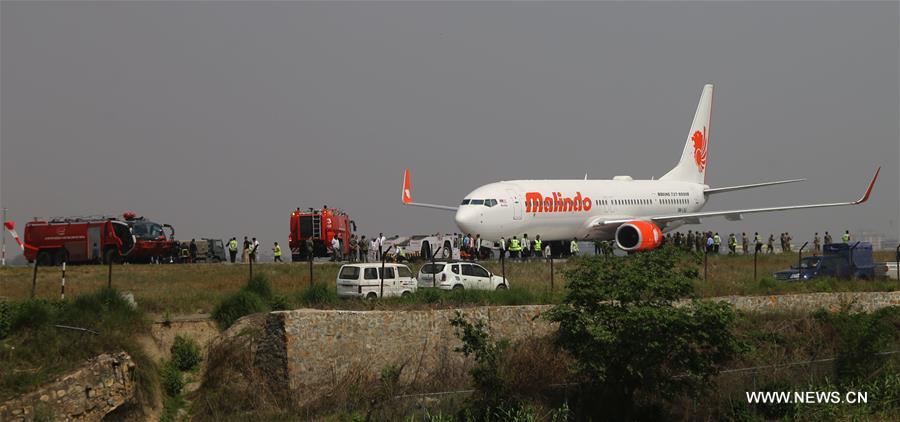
[[365, 281], [460, 275]]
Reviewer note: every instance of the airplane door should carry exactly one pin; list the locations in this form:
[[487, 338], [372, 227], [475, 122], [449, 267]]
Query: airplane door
[[516, 204]]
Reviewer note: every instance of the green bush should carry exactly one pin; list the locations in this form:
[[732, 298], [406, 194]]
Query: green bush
[[36, 352], [279, 303], [492, 388], [185, 354], [237, 305], [260, 286], [171, 379], [620, 323], [32, 314], [860, 339], [6, 317], [317, 294]]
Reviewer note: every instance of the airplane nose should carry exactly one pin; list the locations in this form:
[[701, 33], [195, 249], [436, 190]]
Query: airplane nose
[[467, 219]]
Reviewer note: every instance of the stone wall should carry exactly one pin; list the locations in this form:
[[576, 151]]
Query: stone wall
[[856, 301], [86, 394], [310, 351]]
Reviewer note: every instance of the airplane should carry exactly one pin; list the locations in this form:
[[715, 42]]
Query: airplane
[[633, 213]]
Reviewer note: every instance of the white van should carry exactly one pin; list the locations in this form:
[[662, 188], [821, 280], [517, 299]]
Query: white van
[[364, 280]]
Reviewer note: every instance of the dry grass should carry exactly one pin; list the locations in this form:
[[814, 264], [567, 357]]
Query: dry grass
[[188, 289]]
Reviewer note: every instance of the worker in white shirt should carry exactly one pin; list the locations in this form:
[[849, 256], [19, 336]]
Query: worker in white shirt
[[336, 249]]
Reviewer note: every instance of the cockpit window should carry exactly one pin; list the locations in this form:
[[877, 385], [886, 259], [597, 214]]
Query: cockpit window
[[465, 202], [477, 202], [490, 202]]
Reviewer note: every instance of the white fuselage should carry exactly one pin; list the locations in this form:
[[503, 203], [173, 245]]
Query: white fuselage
[[530, 206]]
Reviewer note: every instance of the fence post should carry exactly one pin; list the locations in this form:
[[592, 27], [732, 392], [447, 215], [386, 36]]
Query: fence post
[[755, 251], [434, 268], [310, 269], [109, 273], [34, 279], [897, 257], [503, 263], [705, 261], [382, 253], [551, 273], [799, 261], [62, 292]]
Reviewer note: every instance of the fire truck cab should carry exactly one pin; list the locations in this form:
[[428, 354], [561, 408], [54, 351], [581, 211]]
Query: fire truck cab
[[320, 225], [151, 242], [77, 240]]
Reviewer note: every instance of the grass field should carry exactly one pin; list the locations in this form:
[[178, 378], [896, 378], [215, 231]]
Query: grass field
[[188, 289]]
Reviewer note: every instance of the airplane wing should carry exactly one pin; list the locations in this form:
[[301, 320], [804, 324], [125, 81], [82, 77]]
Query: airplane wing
[[755, 185], [694, 218], [407, 196]]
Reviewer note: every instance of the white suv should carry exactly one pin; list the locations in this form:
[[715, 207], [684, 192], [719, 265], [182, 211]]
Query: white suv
[[460, 275], [364, 280]]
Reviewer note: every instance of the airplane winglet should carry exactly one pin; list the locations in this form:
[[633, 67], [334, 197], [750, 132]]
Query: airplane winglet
[[407, 187], [869, 190]]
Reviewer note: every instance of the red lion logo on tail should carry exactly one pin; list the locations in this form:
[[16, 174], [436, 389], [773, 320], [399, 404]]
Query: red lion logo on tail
[[701, 144]]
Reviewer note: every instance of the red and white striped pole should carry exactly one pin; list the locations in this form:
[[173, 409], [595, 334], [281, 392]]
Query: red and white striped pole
[[3, 253], [62, 293]]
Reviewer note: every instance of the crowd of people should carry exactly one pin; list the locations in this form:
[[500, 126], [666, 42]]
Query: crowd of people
[[370, 249], [711, 242]]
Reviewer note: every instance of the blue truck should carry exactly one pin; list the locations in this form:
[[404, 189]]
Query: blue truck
[[839, 260]]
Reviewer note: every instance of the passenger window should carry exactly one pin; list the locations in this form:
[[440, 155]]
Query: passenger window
[[478, 271], [455, 269], [370, 274], [349, 273], [388, 273], [467, 269], [404, 272]]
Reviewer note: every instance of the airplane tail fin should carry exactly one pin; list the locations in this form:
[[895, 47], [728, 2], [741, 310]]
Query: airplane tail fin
[[694, 158]]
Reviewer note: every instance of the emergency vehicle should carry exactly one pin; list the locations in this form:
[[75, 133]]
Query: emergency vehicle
[[321, 225], [77, 240], [151, 242]]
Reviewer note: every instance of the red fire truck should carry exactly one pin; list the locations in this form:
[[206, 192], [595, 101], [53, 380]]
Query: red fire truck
[[321, 226], [77, 240], [151, 242]]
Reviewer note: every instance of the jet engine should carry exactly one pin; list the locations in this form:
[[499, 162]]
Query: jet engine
[[638, 236]]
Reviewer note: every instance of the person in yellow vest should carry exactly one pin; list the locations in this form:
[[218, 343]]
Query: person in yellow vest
[[732, 244], [573, 247], [277, 251], [514, 248], [717, 241], [846, 236], [538, 250], [232, 249]]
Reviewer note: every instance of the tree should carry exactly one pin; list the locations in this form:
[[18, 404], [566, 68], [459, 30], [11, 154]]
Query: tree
[[621, 322]]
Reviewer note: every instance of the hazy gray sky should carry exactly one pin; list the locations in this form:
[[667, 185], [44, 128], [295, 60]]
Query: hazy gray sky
[[221, 118]]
